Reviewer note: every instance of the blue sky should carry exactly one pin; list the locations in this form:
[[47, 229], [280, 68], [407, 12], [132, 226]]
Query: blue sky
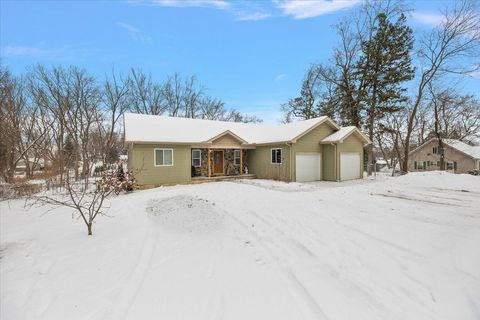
[[250, 54]]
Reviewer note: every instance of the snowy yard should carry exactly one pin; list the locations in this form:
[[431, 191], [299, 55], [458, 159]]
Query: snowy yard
[[394, 248]]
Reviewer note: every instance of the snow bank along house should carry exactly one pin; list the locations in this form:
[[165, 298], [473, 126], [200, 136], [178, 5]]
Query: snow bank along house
[[459, 156], [168, 150]]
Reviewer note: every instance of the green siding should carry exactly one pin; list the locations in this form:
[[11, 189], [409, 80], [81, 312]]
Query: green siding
[[311, 143], [142, 161], [259, 163], [130, 157], [328, 162], [351, 144]]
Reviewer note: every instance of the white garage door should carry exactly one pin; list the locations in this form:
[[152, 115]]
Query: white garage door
[[349, 165], [308, 166]]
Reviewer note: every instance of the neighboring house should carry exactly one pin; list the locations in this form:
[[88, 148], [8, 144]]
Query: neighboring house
[[167, 150], [380, 163], [459, 156]]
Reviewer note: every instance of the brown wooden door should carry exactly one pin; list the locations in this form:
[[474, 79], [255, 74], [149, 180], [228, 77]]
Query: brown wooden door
[[218, 162]]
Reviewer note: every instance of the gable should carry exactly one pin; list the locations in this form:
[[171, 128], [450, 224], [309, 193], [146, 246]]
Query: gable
[[353, 138], [310, 141], [427, 148], [227, 140]]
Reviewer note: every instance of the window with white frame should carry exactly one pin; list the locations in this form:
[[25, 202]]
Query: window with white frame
[[236, 157], [197, 158], [163, 157], [435, 150], [276, 156]]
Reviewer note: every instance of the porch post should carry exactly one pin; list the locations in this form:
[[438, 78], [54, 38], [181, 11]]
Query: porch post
[[208, 163], [241, 161]]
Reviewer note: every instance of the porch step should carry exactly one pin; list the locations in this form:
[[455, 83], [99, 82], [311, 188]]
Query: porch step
[[223, 178]]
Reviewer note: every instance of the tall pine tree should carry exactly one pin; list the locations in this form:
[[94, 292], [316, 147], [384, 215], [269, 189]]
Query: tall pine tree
[[384, 66]]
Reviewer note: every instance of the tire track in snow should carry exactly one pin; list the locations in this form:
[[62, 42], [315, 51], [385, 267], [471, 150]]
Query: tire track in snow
[[130, 291], [218, 307], [306, 303]]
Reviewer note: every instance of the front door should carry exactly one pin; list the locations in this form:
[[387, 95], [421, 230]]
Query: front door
[[218, 162]]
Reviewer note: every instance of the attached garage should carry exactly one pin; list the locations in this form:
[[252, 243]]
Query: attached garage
[[350, 166], [308, 166]]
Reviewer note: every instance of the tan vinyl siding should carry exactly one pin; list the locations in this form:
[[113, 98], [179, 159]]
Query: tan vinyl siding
[[425, 154], [259, 163], [351, 144], [149, 174], [328, 162], [130, 157], [311, 143], [226, 141]]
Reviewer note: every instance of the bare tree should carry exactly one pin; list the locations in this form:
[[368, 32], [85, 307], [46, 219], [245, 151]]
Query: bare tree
[[146, 95], [450, 49], [88, 201], [116, 99], [19, 128]]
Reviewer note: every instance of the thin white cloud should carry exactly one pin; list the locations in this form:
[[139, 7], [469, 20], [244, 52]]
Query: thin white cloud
[[243, 11], [279, 77], [302, 9], [15, 51], [251, 16], [63, 52], [218, 4], [475, 74], [428, 18], [135, 33]]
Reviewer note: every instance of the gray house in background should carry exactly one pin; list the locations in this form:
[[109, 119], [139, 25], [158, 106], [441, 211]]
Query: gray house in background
[[169, 150], [459, 156]]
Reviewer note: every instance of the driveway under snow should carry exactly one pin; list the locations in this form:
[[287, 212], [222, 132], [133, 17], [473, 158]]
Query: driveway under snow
[[395, 248]]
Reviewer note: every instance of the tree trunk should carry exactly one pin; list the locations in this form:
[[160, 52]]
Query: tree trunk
[[89, 227], [370, 146]]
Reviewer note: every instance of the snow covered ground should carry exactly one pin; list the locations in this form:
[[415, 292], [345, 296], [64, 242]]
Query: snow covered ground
[[393, 248]]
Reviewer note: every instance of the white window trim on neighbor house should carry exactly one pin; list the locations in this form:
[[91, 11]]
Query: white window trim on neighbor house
[[163, 158], [236, 156], [271, 156], [199, 158]]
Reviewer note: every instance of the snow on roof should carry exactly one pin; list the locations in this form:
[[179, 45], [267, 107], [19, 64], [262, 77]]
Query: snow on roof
[[473, 151], [342, 134], [148, 128]]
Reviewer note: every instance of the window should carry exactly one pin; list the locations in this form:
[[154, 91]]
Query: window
[[435, 150], [236, 157], [197, 158], [276, 156], [438, 163], [451, 165], [163, 157], [421, 165]]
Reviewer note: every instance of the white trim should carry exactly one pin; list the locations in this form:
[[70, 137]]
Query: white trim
[[200, 165], [281, 156], [155, 157], [239, 157]]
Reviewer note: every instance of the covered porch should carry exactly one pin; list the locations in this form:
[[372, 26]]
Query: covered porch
[[225, 155], [216, 162]]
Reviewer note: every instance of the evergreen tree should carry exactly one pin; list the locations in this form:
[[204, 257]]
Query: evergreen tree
[[384, 65]]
